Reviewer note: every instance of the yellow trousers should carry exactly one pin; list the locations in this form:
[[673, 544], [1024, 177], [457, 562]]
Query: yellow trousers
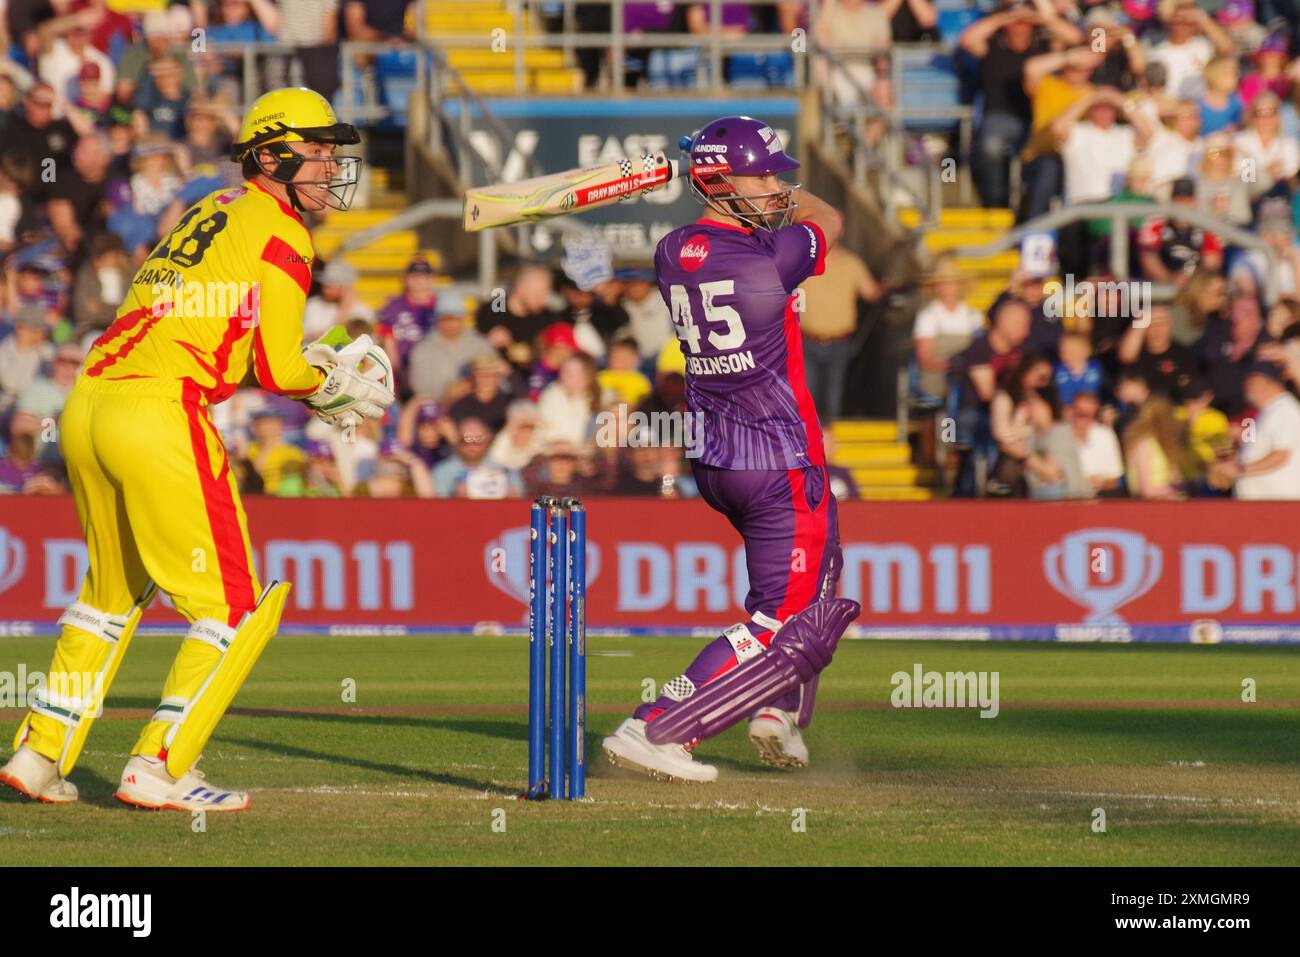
[[157, 502]]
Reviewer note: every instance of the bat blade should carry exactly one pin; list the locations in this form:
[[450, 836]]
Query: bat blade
[[560, 194]]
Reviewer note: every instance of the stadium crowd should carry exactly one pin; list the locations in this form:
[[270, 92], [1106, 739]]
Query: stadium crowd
[[113, 124]]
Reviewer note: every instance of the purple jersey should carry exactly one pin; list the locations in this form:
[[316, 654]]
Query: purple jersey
[[730, 292]]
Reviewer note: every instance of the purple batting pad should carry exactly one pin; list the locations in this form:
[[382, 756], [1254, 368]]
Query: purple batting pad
[[798, 653]]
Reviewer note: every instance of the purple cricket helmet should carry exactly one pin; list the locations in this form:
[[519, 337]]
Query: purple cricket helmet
[[734, 146]]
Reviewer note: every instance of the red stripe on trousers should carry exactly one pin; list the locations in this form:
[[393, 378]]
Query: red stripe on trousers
[[799, 386], [223, 518], [810, 529]]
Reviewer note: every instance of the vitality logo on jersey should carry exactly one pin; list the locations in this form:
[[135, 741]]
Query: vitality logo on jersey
[[694, 253]]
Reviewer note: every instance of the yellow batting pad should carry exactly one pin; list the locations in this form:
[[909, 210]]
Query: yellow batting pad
[[103, 639], [187, 738]]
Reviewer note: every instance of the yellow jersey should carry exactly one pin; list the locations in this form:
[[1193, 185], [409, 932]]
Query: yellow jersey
[[222, 293]]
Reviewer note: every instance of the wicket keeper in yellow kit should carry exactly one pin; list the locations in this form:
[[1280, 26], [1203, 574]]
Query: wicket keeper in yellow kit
[[153, 487]]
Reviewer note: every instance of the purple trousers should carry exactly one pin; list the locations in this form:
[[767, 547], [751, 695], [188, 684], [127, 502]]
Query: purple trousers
[[790, 525]]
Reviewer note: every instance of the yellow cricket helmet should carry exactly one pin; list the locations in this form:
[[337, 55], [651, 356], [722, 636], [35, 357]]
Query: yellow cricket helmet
[[290, 115]]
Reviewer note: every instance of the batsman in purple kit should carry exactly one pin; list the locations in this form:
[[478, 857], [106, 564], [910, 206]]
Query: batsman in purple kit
[[730, 281]]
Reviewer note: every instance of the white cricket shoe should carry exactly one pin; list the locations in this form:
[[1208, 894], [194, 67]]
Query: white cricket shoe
[[37, 776], [777, 738], [146, 783], [628, 748]]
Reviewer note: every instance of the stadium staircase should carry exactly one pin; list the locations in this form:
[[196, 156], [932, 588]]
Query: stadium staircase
[[487, 71], [881, 461], [971, 227], [382, 262]]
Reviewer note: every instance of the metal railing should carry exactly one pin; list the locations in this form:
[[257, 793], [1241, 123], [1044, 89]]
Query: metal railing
[[1119, 215]]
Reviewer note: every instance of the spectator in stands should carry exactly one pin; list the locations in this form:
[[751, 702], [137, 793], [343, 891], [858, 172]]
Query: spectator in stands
[[623, 382], [1270, 157], [11, 210], [642, 468], [1003, 42], [521, 440], [426, 432], [1193, 40], [77, 208], [377, 21], [166, 36], [1124, 64], [1268, 72], [1020, 415], [1096, 150], [154, 187], [320, 473], [1268, 465], [1249, 270], [205, 155], [559, 471], [20, 469], [91, 106], [1086, 451], [244, 21], [556, 345], [68, 49], [1201, 304], [1055, 81], [406, 319], [588, 285], [1170, 249], [851, 25], [1208, 438], [828, 320], [1153, 449], [336, 303], [1076, 371], [1149, 346], [161, 101], [990, 355], [1221, 188], [435, 363], [1227, 350], [25, 355], [1173, 146], [945, 326], [36, 142], [45, 396], [471, 473], [1136, 189], [100, 285], [311, 29], [1220, 105], [649, 321], [481, 396], [568, 405], [397, 473], [269, 454], [522, 313], [843, 486]]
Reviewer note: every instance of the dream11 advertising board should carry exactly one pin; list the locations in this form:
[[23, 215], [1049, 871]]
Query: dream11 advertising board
[[1117, 571]]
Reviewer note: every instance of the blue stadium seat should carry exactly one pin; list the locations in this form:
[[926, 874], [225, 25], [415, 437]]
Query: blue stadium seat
[[395, 75], [928, 81], [760, 70], [953, 22], [674, 67]]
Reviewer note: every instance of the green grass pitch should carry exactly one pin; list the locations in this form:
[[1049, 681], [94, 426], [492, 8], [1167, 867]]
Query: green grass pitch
[[425, 766]]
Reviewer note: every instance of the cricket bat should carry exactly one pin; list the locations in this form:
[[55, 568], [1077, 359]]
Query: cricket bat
[[559, 194]]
